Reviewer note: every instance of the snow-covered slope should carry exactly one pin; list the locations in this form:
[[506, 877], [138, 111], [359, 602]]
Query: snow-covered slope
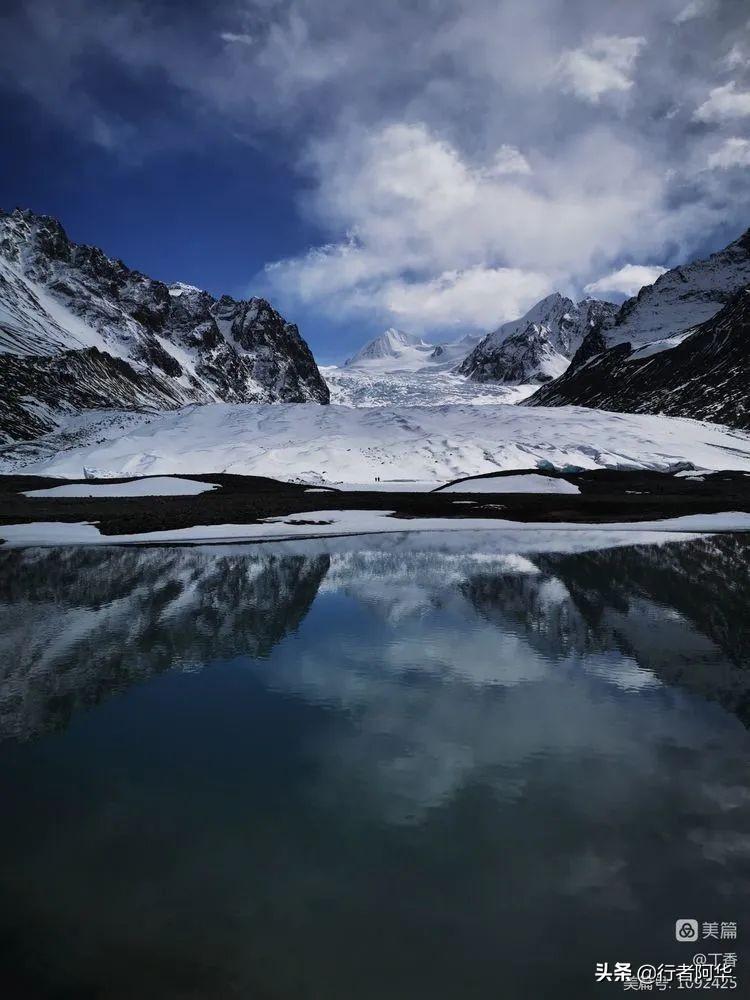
[[397, 351], [682, 298], [337, 444], [131, 340], [454, 352], [681, 346], [705, 373], [538, 346], [402, 369], [393, 349]]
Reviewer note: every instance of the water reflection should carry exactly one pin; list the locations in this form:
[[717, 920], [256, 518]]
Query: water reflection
[[78, 624], [367, 772]]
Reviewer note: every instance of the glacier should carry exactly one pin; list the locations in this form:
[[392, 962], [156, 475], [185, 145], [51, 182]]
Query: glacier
[[335, 444]]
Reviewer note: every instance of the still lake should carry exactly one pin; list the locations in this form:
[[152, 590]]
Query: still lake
[[359, 769]]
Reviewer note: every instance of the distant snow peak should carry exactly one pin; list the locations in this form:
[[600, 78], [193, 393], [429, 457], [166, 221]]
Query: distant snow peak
[[396, 350], [393, 343], [455, 351], [178, 288]]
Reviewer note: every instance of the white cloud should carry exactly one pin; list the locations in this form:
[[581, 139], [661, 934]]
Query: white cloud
[[696, 8], [601, 66], [509, 160], [723, 104], [436, 144], [231, 37], [733, 153], [736, 57], [438, 241], [627, 280], [471, 298]]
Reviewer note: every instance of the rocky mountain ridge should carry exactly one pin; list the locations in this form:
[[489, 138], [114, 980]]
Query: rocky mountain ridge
[[80, 330], [704, 375], [538, 346], [680, 347]]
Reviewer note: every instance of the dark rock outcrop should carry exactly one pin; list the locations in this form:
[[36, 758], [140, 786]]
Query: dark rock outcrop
[[679, 347], [79, 330], [706, 375]]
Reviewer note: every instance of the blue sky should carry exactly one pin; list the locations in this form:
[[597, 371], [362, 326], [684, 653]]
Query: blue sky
[[209, 216], [429, 164]]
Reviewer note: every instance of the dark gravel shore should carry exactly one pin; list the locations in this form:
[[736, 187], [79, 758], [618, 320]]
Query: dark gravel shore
[[606, 496]]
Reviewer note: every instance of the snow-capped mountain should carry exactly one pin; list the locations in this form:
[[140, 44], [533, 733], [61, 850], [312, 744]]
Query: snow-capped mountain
[[456, 351], [392, 349], [681, 346], [704, 374], [396, 350], [538, 346], [402, 369], [682, 298], [80, 330]]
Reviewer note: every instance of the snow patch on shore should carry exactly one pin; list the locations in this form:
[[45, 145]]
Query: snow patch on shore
[[529, 483], [334, 523], [155, 486]]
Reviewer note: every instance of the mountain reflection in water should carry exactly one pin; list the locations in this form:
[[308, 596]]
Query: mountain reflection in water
[[77, 624], [364, 771]]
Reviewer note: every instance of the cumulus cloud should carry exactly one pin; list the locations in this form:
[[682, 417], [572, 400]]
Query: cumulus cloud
[[736, 57], [605, 64], [471, 298], [443, 151], [724, 103], [233, 37], [733, 152], [437, 240], [509, 160], [696, 8], [626, 280]]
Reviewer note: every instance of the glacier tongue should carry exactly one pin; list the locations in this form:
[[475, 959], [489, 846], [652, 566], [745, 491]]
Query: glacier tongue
[[338, 444]]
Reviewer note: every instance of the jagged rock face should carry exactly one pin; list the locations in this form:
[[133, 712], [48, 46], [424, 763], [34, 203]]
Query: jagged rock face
[[538, 346], [705, 375], [678, 347], [74, 381], [682, 298], [180, 343]]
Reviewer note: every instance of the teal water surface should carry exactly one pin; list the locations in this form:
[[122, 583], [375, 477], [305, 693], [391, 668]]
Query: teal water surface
[[356, 770]]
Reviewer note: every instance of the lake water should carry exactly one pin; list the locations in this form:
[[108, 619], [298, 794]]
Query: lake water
[[365, 769]]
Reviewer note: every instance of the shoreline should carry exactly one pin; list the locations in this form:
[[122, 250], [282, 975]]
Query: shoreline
[[249, 509]]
